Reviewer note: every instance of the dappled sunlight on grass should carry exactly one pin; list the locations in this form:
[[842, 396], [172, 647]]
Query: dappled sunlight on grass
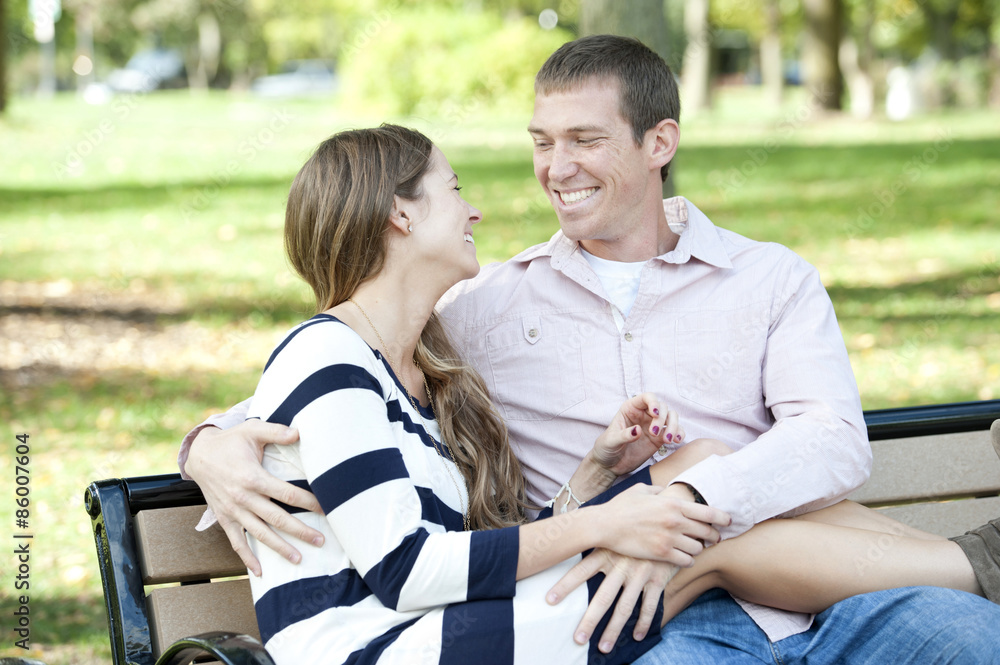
[[143, 282]]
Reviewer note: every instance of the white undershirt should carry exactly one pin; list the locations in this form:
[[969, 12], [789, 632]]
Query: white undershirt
[[620, 281]]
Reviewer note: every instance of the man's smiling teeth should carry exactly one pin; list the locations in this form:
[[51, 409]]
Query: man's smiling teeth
[[468, 238], [574, 197]]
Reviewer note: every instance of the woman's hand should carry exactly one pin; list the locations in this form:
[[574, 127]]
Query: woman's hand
[[640, 427], [649, 522]]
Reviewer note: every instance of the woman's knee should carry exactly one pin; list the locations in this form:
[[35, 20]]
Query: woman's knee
[[685, 457], [705, 448]]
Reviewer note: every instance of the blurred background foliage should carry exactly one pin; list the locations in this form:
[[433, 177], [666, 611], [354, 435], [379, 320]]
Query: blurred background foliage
[[228, 43]]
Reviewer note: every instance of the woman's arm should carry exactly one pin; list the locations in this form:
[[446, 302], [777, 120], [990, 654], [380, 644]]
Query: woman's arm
[[644, 521], [642, 425]]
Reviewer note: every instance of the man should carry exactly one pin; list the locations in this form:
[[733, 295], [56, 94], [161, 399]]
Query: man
[[636, 294]]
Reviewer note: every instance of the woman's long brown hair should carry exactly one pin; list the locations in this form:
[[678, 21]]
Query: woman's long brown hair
[[335, 237]]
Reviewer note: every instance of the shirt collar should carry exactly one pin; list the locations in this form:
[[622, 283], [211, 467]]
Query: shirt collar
[[698, 239]]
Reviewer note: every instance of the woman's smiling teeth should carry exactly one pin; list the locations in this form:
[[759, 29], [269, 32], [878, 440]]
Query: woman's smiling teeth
[[577, 196], [468, 238]]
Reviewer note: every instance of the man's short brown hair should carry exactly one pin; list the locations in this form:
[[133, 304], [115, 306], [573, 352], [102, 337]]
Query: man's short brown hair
[[647, 88]]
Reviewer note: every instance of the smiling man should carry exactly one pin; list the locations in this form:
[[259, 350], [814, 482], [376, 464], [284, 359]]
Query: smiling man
[[636, 294]]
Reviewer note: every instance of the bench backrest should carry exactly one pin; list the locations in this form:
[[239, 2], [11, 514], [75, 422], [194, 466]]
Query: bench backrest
[[945, 480], [934, 468], [162, 579]]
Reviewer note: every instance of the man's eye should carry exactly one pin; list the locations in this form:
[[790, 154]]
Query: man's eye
[[458, 188]]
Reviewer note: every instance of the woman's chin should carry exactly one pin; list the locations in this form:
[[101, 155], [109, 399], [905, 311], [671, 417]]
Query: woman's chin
[[471, 272]]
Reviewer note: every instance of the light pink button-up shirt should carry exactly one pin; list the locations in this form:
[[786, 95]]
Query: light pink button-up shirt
[[739, 337]]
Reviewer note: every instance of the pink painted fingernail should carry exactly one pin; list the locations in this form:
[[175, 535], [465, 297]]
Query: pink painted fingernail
[[656, 429], [552, 598], [656, 411], [606, 647], [670, 437], [635, 431]]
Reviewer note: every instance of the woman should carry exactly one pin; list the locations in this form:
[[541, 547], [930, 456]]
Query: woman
[[427, 555]]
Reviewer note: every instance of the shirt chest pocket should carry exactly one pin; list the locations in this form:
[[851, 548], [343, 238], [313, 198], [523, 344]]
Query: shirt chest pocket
[[719, 358], [536, 367]]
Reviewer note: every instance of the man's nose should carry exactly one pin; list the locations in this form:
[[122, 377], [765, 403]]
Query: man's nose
[[563, 165]]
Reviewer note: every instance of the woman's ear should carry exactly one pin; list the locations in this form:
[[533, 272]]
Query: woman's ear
[[400, 216]]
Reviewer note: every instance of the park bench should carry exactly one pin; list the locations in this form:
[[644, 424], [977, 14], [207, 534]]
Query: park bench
[[934, 469]]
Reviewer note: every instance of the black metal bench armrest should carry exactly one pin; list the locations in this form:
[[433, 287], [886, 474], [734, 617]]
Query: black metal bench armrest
[[227, 648]]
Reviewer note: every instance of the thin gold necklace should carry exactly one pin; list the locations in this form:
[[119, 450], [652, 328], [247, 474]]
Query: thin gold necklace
[[466, 519]]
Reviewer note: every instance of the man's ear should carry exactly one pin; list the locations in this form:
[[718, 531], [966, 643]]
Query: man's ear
[[400, 215], [664, 138]]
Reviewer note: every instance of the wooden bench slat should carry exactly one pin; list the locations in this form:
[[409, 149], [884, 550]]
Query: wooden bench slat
[[170, 550], [944, 465], [946, 518], [182, 611]]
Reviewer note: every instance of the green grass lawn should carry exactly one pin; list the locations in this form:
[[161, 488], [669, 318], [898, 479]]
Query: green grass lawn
[[142, 281]]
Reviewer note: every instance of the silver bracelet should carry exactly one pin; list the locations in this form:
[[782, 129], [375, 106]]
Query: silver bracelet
[[570, 497]]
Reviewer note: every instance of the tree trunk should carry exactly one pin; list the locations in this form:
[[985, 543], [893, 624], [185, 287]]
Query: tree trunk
[[855, 63], [942, 25], [85, 44], [3, 55], [642, 19], [697, 94], [771, 71], [824, 20]]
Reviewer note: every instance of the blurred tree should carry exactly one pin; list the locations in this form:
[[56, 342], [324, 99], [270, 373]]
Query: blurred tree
[[191, 26], [942, 15], [433, 60], [856, 56], [820, 49], [84, 57], [993, 58], [697, 74], [3, 56], [771, 70], [643, 19]]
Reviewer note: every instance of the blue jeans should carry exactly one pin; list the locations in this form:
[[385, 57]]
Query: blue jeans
[[918, 625]]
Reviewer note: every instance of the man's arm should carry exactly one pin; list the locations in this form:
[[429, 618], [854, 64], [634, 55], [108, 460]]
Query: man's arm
[[226, 464], [817, 452]]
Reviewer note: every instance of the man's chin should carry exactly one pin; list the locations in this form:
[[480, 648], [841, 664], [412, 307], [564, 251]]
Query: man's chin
[[573, 230]]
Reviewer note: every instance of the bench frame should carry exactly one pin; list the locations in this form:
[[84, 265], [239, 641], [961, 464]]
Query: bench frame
[[113, 504]]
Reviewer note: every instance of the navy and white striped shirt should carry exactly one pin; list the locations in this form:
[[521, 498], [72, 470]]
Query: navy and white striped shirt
[[397, 580]]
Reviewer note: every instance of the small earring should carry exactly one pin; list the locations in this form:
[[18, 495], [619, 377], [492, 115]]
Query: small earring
[[410, 228]]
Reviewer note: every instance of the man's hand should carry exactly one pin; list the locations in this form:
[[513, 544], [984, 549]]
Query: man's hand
[[632, 576], [680, 527], [226, 464]]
